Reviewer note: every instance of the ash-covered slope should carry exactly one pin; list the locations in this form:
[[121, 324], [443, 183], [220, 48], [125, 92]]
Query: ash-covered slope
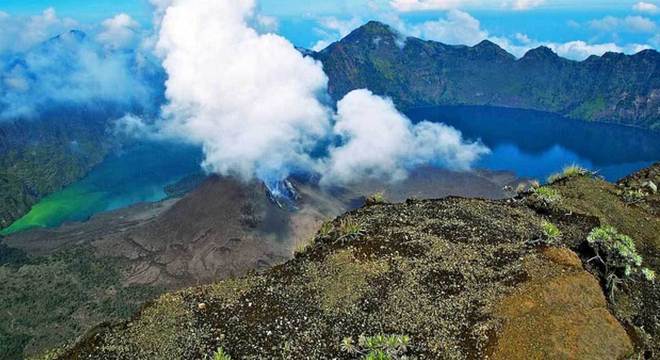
[[613, 88], [461, 278]]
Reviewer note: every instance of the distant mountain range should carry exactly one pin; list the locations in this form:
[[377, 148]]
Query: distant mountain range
[[616, 88]]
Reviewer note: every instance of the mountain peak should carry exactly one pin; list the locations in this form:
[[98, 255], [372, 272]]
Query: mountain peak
[[489, 50], [75, 35], [540, 53], [372, 29], [487, 44], [377, 26]]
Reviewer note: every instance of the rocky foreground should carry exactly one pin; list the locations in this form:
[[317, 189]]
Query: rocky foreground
[[430, 279]]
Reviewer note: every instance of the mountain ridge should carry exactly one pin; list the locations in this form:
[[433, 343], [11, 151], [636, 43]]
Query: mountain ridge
[[614, 87]]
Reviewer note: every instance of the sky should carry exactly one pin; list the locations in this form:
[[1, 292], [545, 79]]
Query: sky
[[573, 29]]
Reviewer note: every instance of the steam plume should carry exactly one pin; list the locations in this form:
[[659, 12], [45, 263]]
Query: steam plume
[[252, 101]]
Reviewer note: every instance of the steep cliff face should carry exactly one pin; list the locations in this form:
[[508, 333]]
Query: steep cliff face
[[613, 88], [452, 278]]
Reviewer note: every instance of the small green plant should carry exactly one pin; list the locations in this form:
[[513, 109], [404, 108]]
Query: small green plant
[[649, 274], [551, 232], [220, 354], [617, 253], [301, 247], [379, 347], [326, 229], [633, 196], [547, 195], [376, 198], [349, 228], [568, 172]]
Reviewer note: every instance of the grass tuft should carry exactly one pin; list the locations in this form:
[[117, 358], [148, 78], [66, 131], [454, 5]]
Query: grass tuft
[[220, 354], [350, 228], [649, 274], [379, 347], [547, 194], [551, 232], [326, 229], [568, 172], [375, 199], [301, 247]]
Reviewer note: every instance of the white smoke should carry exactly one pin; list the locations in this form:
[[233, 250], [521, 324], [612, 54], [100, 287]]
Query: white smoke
[[381, 143], [252, 101]]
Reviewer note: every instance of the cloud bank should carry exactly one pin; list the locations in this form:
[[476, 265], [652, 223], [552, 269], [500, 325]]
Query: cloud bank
[[434, 5], [256, 106], [52, 67], [646, 7], [379, 142]]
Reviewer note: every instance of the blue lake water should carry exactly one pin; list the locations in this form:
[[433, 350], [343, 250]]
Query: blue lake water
[[536, 144]]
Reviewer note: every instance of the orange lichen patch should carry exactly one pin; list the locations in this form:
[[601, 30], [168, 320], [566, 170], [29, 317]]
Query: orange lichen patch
[[561, 316], [562, 256]]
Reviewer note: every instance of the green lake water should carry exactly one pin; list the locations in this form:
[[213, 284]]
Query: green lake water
[[136, 174]]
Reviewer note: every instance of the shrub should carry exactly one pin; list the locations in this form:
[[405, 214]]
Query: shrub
[[349, 228], [617, 252], [326, 229], [648, 274], [551, 232], [220, 354], [376, 198], [301, 247], [379, 347], [547, 194], [568, 172]]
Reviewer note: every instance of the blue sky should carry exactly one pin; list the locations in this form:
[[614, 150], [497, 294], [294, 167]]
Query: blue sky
[[600, 25]]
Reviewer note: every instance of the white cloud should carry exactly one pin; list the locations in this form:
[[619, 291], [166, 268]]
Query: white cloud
[[580, 50], [426, 5], [18, 34], [266, 23], [251, 101], [525, 4], [119, 32], [381, 143], [248, 99], [635, 23], [655, 40], [45, 65], [574, 50], [422, 5], [458, 27], [645, 7], [332, 29]]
